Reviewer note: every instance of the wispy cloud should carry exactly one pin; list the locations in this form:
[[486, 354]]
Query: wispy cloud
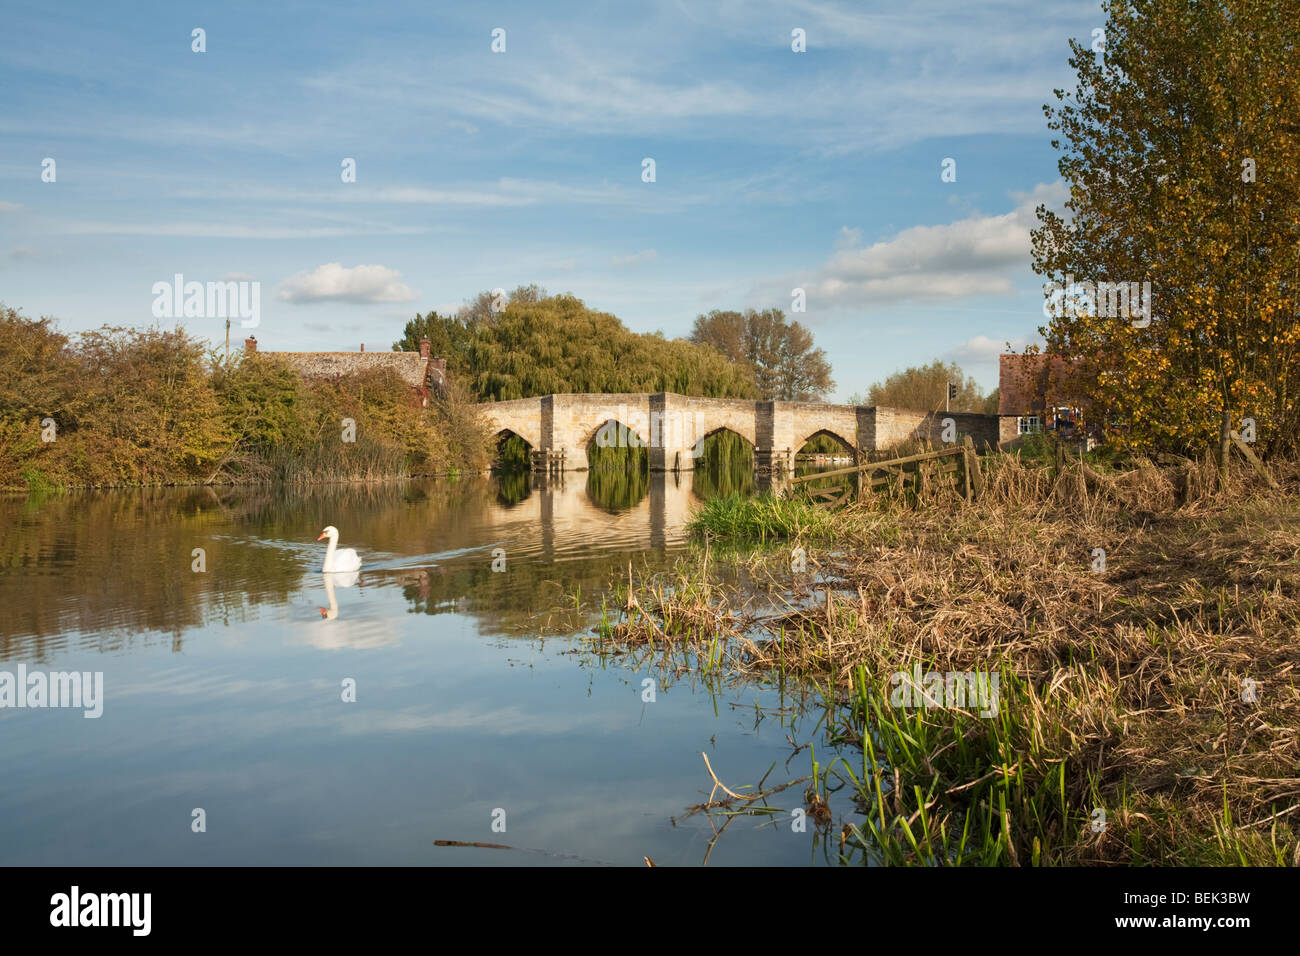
[[635, 259], [202, 230]]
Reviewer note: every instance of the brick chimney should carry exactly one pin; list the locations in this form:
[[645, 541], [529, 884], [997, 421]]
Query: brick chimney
[[426, 347], [250, 344], [363, 346]]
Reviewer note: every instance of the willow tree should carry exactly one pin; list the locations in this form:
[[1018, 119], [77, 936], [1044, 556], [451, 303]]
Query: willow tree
[[1179, 148], [537, 346]]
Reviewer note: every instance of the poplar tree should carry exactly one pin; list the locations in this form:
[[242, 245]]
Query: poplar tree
[[778, 354], [1179, 147]]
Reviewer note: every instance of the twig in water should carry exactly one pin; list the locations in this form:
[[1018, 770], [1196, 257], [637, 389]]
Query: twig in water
[[718, 783]]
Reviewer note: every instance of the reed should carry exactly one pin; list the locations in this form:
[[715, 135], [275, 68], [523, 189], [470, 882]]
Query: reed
[[764, 518], [1120, 690]]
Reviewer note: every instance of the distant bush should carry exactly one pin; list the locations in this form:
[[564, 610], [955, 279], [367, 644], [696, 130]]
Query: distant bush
[[150, 406]]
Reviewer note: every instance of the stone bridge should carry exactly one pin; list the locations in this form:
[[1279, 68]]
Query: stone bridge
[[560, 428]]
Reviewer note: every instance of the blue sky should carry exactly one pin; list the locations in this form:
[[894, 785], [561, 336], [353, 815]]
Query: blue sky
[[475, 170]]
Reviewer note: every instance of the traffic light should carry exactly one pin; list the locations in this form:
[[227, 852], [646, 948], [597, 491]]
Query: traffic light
[[952, 391]]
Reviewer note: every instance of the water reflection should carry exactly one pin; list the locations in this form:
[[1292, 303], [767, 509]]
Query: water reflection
[[344, 579], [513, 486], [617, 489], [98, 570], [108, 569], [473, 691]]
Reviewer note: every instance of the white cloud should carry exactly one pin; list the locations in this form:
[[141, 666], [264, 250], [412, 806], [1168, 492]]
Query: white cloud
[[848, 238], [981, 348], [636, 258], [1052, 195], [238, 277], [978, 357], [333, 282], [975, 256]]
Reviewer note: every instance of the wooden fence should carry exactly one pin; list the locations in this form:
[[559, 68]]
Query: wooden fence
[[959, 464]]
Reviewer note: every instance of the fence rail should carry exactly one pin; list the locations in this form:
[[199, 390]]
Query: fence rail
[[899, 472]]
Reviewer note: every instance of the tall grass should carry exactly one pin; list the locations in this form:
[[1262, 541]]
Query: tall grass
[[363, 460], [761, 518]]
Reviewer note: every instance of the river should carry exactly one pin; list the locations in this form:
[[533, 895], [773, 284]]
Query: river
[[481, 714]]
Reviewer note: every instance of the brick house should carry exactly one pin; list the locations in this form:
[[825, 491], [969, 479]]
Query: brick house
[[1042, 393], [423, 374]]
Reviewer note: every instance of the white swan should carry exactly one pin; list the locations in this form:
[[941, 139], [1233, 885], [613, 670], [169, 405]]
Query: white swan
[[338, 560]]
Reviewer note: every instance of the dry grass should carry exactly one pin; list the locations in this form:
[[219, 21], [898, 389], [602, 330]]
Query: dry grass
[[1121, 689]]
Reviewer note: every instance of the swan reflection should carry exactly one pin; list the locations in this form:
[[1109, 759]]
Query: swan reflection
[[334, 580], [360, 630]]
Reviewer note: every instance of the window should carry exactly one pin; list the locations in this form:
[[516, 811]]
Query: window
[[1029, 423]]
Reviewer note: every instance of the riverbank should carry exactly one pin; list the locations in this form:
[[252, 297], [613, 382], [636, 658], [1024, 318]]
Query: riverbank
[[38, 485], [1107, 672]]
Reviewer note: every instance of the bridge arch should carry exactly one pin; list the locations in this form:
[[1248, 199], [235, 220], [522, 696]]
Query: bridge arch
[[522, 416], [848, 446], [613, 433], [725, 430], [711, 420], [724, 461], [509, 456]]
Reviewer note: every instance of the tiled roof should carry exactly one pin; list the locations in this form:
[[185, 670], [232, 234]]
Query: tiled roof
[[410, 366], [1023, 388]]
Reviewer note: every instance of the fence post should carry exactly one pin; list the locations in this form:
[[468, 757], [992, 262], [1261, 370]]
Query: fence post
[[973, 466], [1250, 457]]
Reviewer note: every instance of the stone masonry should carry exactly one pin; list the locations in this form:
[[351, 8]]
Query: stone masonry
[[672, 425]]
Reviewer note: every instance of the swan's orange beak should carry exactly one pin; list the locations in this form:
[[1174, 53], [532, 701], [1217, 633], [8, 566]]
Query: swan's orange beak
[[321, 535]]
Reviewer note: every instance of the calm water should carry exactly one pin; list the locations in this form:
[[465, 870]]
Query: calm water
[[475, 690]]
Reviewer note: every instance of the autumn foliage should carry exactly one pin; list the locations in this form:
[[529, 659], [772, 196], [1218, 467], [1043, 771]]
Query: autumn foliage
[[1179, 148], [150, 406]]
